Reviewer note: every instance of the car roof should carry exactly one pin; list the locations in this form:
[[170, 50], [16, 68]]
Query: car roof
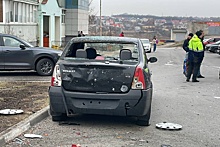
[[10, 35], [100, 39], [1, 34]]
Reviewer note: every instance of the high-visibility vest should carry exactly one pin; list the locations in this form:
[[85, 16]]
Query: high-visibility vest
[[195, 44]]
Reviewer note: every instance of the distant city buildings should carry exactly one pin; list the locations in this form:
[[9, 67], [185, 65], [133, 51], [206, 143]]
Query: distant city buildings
[[174, 28]]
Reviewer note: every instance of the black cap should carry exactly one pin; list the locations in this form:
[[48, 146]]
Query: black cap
[[190, 34], [198, 33]]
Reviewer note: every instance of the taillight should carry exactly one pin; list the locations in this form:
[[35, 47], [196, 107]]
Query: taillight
[[56, 78], [138, 81]]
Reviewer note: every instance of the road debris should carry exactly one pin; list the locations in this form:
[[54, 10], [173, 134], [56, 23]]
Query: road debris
[[76, 145], [18, 141], [11, 111], [32, 136], [168, 126], [67, 123], [164, 145]]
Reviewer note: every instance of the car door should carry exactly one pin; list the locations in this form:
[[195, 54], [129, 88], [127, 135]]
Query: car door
[[1, 59], [14, 56]]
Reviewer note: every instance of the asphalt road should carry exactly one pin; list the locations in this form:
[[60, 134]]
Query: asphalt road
[[195, 106]]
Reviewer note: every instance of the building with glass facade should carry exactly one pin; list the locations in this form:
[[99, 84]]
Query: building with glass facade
[[77, 17]]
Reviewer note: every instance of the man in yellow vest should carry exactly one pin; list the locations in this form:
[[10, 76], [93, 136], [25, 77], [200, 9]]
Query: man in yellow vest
[[195, 57]]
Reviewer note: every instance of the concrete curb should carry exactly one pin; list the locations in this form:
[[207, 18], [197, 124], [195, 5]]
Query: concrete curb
[[23, 126]]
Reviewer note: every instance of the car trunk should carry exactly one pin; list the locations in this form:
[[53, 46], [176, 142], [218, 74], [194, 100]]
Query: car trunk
[[97, 77]]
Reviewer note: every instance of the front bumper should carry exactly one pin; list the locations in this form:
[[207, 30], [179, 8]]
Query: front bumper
[[147, 49], [133, 103]]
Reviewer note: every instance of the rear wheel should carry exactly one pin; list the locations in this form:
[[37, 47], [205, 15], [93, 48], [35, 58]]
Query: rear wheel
[[44, 67], [144, 120], [61, 117], [57, 116]]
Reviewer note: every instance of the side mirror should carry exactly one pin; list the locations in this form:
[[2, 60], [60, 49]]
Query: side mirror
[[22, 46], [152, 59]]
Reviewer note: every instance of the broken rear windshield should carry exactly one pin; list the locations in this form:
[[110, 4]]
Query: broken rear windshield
[[102, 51]]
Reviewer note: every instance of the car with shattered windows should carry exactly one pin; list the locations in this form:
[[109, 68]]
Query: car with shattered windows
[[102, 75]]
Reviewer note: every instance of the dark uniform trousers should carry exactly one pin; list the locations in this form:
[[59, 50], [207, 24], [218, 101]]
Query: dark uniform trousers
[[193, 68]]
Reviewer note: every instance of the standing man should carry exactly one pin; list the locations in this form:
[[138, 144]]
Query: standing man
[[196, 54], [82, 35], [185, 47], [199, 72], [79, 34]]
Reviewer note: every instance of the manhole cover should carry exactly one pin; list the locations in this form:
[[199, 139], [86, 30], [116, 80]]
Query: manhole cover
[[168, 126]]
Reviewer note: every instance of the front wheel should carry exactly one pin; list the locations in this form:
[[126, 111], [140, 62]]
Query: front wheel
[[44, 67]]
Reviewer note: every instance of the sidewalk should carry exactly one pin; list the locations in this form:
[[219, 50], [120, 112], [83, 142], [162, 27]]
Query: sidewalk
[[23, 126]]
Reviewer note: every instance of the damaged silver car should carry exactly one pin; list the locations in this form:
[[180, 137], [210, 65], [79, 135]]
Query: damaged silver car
[[102, 75]]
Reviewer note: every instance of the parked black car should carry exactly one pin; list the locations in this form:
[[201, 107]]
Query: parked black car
[[212, 47], [17, 54], [102, 75]]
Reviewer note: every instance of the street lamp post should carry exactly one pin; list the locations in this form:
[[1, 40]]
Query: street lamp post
[[100, 17]]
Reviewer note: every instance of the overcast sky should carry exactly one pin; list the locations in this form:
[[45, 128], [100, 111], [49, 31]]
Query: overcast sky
[[200, 8]]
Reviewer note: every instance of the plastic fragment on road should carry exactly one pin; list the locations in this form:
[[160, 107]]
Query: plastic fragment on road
[[32, 136], [11, 111], [164, 145], [18, 141], [216, 97], [76, 145], [168, 126]]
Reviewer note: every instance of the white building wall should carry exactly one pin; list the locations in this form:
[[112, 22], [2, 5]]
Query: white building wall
[[14, 22], [22, 31]]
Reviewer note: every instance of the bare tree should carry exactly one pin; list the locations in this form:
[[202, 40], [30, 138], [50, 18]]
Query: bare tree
[[92, 14]]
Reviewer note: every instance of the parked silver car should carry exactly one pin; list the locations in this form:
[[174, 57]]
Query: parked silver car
[[102, 75], [147, 45]]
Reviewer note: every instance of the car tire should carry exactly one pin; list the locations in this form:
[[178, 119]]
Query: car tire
[[61, 117], [57, 116], [44, 67], [144, 120]]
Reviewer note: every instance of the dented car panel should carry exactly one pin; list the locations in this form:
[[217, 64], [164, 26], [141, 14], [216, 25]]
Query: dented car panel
[[102, 75], [133, 103], [97, 78]]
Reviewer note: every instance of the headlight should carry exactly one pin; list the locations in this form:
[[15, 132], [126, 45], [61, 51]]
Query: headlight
[[59, 54]]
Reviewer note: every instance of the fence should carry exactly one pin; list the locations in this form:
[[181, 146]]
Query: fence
[[60, 45]]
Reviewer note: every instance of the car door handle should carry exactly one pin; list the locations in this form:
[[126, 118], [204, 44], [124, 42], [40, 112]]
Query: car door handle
[[7, 51]]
